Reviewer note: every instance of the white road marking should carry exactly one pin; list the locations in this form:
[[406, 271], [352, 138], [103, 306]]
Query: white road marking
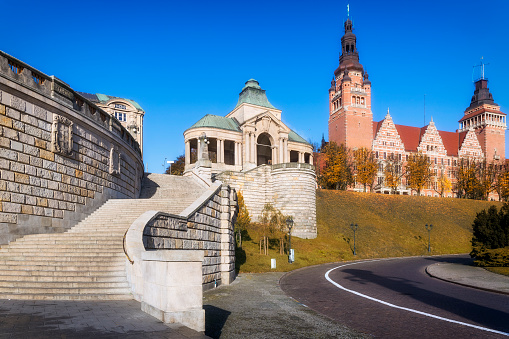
[[400, 307]]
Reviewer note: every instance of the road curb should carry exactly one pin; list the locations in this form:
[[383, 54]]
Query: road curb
[[462, 284]]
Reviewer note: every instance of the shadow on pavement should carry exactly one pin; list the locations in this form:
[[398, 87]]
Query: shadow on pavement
[[215, 318], [463, 260], [489, 317]]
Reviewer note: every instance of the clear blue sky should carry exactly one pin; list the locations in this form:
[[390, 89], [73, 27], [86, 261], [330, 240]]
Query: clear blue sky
[[181, 60]]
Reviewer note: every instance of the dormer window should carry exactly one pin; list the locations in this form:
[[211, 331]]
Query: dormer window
[[120, 106], [120, 116]]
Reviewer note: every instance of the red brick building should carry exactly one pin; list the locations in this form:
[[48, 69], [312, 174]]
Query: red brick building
[[481, 132]]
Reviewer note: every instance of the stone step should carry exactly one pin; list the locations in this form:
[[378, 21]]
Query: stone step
[[63, 290], [38, 246], [50, 279], [63, 274], [57, 265], [70, 236], [5, 259], [52, 296], [99, 251], [61, 284], [60, 256]]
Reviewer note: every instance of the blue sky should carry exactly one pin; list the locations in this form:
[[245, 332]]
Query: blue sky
[[181, 60]]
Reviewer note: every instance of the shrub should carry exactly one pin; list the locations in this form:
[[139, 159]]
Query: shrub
[[490, 241]]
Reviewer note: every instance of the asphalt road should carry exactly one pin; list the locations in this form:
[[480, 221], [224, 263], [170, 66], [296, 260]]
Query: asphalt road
[[403, 283]]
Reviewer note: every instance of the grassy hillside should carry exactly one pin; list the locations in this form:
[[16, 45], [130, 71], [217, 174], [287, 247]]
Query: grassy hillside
[[389, 226]]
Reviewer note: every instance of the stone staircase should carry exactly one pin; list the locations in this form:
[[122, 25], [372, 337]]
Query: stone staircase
[[88, 262]]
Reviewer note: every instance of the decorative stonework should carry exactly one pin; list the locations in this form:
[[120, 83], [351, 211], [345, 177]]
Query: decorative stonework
[[61, 135], [18, 104], [63, 91], [114, 161]]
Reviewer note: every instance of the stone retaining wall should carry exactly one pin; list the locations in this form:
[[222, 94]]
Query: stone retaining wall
[[60, 155], [290, 187], [206, 225]]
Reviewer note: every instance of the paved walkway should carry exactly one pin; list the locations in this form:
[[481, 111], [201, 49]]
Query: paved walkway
[[471, 276], [83, 319], [254, 306]]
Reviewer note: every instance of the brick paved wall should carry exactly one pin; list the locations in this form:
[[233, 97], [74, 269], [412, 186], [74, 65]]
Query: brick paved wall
[[60, 156]]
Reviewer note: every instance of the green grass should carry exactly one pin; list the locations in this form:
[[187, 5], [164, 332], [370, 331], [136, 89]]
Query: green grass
[[499, 270], [389, 226]]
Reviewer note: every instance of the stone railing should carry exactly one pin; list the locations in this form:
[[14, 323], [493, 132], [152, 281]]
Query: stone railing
[[294, 165], [50, 86], [173, 258]]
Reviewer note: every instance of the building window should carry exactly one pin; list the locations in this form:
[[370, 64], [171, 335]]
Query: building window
[[120, 106], [120, 116]]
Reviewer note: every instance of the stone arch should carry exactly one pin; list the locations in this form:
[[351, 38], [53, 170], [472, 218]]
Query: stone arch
[[264, 149]]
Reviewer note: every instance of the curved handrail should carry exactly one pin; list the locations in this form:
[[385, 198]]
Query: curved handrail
[[125, 249]]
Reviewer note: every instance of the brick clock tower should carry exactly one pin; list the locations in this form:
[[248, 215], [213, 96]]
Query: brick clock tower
[[485, 118], [350, 116]]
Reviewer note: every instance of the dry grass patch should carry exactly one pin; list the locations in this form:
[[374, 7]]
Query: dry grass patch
[[389, 226]]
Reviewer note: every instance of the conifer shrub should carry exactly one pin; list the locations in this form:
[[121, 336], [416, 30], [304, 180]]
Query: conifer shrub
[[490, 241]]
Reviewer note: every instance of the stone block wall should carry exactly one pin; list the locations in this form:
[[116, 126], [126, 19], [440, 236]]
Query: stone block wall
[[207, 226], [60, 156], [290, 187]]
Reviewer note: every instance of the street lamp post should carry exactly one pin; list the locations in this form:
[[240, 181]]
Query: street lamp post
[[170, 162], [289, 224], [429, 227], [354, 229]]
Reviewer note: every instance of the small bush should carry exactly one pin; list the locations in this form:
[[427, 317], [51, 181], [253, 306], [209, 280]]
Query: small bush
[[490, 241], [491, 258]]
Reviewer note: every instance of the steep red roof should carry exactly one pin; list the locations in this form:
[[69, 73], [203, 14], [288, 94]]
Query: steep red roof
[[376, 127], [411, 136], [451, 142]]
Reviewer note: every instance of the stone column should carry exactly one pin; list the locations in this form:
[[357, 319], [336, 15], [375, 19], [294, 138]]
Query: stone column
[[311, 159], [285, 151], [253, 148], [274, 155], [238, 153], [247, 148], [188, 152], [280, 151], [301, 157], [218, 150]]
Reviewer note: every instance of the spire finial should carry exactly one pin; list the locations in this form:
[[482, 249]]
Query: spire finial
[[388, 114], [348, 10]]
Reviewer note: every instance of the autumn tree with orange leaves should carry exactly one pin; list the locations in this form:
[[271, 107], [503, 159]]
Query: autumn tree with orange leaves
[[366, 167], [337, 173]]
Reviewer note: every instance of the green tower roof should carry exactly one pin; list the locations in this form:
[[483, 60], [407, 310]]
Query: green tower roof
[[216, 121], [253, 94]]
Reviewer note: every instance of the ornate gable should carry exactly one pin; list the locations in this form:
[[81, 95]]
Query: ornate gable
[[470, 147], [266, 123], [387, 137], [431, 142]]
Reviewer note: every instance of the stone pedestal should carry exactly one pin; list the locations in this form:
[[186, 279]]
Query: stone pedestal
[[172, 289]]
